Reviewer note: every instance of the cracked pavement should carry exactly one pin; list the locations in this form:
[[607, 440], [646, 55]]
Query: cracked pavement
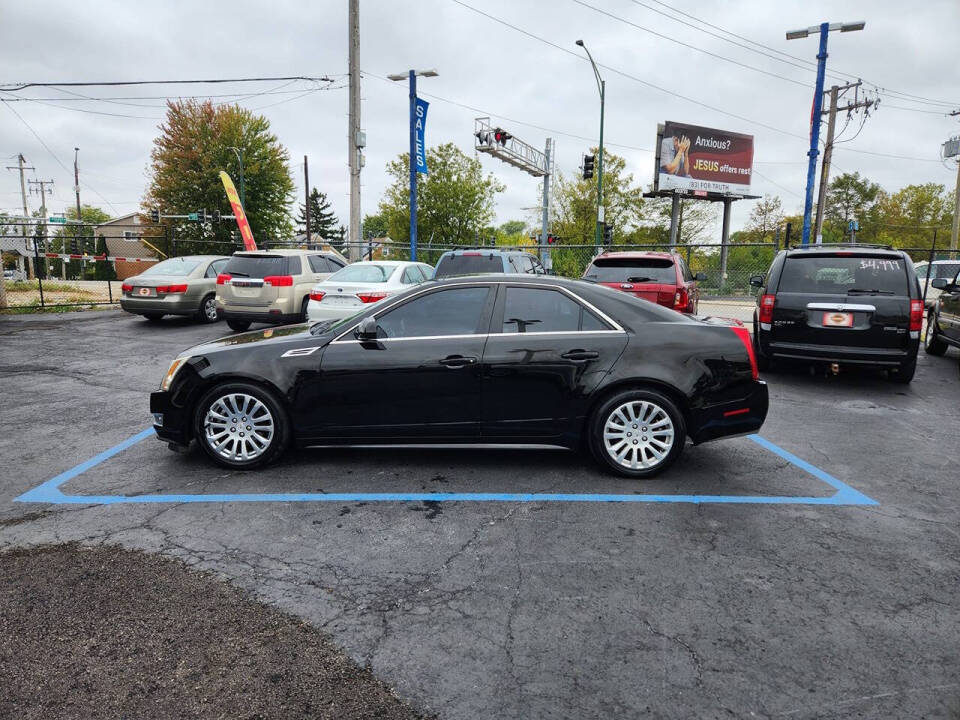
[[561, 610]]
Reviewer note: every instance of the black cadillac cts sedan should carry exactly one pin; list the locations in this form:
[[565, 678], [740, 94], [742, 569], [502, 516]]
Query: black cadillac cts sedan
[[495, 359]]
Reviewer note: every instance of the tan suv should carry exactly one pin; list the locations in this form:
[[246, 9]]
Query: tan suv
[[271, 286]]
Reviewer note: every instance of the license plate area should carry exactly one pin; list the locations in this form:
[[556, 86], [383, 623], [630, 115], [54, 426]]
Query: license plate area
[[145, 292], [837, 319], [340, 300]]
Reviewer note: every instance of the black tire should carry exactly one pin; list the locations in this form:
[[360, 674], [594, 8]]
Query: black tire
[[269, 451], [238, 325], [608, 411], [903, 374], [303, 309], [933, 344], [153, 317], [204, 312], [763, 362]]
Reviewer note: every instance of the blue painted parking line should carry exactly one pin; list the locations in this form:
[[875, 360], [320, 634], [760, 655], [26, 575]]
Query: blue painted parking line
[[49, 492]]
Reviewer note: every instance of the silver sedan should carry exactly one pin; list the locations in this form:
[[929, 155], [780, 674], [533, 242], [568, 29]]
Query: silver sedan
[[178, 286], [351, 289]]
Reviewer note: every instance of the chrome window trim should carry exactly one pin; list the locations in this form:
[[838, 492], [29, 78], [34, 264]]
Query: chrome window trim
[[617, 329], [485, 335], [841, 307]]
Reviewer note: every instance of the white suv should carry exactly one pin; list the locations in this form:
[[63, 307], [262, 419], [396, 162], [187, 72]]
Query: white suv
[[271, 286]]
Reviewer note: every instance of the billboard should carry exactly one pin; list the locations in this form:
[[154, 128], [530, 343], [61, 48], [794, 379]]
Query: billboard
[[702, 160]]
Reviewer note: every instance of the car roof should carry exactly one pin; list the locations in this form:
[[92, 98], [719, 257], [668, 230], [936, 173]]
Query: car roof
[[487, 251], [849, 248], [636, 254], [280, 251], [199, 257]]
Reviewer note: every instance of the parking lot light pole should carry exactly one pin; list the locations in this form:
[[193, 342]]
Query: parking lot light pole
[[412, 76], [602, 87], [823, 29]]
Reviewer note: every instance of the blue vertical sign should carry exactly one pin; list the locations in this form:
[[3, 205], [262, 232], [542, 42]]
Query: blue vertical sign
[[419, 127]]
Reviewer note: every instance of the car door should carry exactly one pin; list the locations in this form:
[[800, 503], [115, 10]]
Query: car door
[[419, 379], [949, 317], [546, 352]]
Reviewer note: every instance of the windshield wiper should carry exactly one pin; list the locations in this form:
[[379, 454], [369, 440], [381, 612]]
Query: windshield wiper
[[639, 279], [872, 291], [237, 272]]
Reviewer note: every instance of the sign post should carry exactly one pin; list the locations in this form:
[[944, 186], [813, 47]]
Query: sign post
[[418, 156]]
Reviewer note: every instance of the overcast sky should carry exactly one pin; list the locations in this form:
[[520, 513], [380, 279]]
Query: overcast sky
[[483, 64]]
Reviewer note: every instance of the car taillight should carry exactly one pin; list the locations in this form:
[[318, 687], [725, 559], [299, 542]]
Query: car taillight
[[278, 280], [224, 278], [765, 314], [126, 288], [317, 295], [171, 289], [681, 299], [916, 315], [744, 335], [371, 297]]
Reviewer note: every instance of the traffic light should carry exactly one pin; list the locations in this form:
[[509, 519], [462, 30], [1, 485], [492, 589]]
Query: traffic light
[[215, 216], [73, 246], [202, 215], [501, 136], [155, 216], [588, 166], [493, 241], [483, 137], [551, 239], [607, 234]]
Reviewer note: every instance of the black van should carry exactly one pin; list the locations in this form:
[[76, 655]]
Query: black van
[[840, 304]]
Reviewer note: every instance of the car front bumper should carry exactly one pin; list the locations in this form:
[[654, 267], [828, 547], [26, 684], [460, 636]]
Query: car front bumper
[[170, 422]]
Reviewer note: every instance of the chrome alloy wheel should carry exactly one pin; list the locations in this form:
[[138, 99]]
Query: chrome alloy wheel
[[638, 435], [238, 426], [210, 308]]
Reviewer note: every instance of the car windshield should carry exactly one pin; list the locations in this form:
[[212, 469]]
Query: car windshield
[[363, 273], [174, 267], [468, 264], [256, 266], [621, 270], [842, 274]]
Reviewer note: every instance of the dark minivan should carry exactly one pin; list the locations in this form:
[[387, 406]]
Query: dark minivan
[[840, 305]]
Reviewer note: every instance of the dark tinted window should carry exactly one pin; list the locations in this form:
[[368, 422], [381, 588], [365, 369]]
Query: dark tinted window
[[469, 264], [832, 274], [446, 312], [318, 264], [257, 266], [657, 270], [216, 267], [294, 266], [412, 275], [592, 322], [536, 310]]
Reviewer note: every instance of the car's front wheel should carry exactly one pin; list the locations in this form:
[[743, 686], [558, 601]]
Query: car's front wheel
[[241, 425], [933, 344], [637, 433]]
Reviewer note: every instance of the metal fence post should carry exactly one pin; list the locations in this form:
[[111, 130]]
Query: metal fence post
[[933, 254], [36, 262]]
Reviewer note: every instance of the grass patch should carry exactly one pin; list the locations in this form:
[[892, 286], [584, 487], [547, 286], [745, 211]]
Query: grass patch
[[48, 286]]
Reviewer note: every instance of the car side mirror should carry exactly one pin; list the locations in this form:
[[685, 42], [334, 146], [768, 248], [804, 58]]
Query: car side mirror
[[756, 281], [367, 329], [939, 283], [700, 276]]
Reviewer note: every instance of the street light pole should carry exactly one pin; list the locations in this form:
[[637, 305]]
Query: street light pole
[[602, 87], [411, 76], [239, 155], [823, 29]]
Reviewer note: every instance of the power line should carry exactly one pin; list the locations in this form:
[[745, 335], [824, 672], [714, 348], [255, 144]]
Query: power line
[[114, 83]]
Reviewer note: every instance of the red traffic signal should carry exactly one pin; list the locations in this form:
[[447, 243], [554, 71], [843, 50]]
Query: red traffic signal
[[551, 239], [501, 136]]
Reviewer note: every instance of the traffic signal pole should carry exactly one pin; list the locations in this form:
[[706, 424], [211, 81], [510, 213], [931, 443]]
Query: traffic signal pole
[[601, 219]]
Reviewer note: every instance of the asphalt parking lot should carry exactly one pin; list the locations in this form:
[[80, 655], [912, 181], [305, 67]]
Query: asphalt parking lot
[[811, 575]]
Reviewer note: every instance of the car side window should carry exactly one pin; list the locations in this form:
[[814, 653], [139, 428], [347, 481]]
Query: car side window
[[534, 310], [318, 263], [445, 312], [537, 267], [294, 266], [333, 264], [427, 271], [216, 267], [684, 270], [411, 275]]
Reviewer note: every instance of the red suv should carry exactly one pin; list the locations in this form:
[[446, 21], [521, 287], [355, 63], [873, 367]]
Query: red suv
[[660, 277]]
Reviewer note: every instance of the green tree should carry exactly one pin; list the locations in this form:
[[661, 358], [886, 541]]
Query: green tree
[[910, 215], [513, 227], [454, 201], [852, 197], [375, 226], [765, 217], [78, 239], [194, 145], [323, 221]]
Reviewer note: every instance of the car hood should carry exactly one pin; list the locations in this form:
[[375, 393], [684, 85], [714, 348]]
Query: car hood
[[276, 335]]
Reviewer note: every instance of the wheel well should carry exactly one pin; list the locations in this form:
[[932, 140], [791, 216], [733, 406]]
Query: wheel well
[[640, 384]]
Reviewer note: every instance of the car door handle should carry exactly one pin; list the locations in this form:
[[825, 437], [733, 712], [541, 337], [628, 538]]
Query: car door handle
[[576, 355], [458, 361]]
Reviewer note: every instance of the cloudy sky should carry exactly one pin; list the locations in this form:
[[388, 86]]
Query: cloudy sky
[[674, 60]]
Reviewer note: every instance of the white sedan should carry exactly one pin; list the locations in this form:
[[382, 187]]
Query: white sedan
[[349, 290]]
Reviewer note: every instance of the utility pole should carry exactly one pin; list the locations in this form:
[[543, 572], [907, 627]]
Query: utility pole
[[956, 201], [306, 198], [545, 218], [26, 213], [835, 92], [43, 206], [354, 140]]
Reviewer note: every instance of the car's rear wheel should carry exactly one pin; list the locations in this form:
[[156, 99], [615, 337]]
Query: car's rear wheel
[[238, 325], [208, 312], [153, 317], [903, 374], [303, 309], [637, 433], [241, 426], [933, 344]]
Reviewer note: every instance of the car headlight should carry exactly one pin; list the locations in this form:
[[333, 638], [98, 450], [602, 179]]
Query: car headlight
[[172, 372]]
